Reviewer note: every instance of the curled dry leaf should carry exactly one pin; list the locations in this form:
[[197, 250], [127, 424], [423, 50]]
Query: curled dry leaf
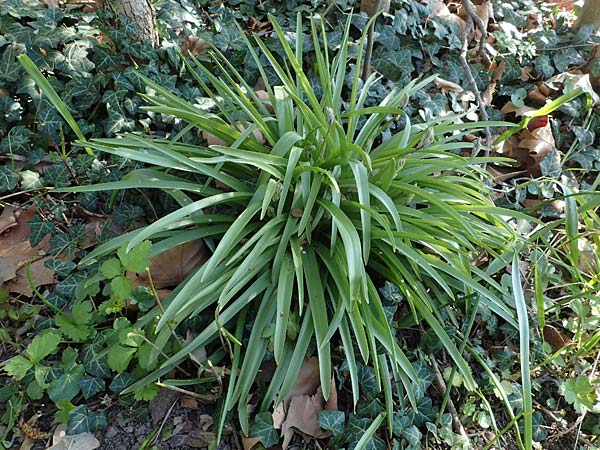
[[537, 96], [447, 86], [530, 147]]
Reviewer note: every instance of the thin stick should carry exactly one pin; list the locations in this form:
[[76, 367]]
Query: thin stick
[[471, 80], [370, 39], [441, 385]]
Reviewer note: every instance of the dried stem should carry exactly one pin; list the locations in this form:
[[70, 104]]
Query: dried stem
[[441, 385]]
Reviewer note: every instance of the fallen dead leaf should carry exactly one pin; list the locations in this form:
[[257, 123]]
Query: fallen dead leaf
[[50, 3], [439, 9], [194, 45], [82, 441], [171, 267], [16, 253], [447, 86], [188, 402], [555, 338], [368, 6], [7, 219], [537, 96], [298, 411], [161, 404], [537, 143], [200, 439], [249, 442]]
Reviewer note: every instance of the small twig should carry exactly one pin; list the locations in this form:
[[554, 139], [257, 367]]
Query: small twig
[[370, 39], [155, 437], [473, 17], [201, 397], [471, 80], [441, 385]]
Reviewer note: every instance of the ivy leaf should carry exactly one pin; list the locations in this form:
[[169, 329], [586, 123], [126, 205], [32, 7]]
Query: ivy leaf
[[137, 259], [543, 66], [105, 58], [120, 382], [413, 436], [332, 421], [119, 357], [81, 420], [8, 179], [67, 242], [66, 387], [146, 393], [39, 228], [42, 345], [425, 376], [580, 393], [263, 429], [17, 367], [62, 268], [95, 361], [90, 386]]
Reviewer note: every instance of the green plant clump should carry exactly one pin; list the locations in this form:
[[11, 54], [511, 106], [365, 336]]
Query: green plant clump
[[308, 210]]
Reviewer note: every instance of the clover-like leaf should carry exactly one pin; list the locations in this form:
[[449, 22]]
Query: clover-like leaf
[[137, 259], [580, 393], [42, 345], [18, 366]]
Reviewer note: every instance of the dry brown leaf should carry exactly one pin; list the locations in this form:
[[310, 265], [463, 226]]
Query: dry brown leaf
[[161, 404], [555, 338], [50, 3], [249, 442], [200, 439], [171, 267], [299, 409], [16, 253], [537, 96], [537, 143], [439, 9], [7, 219], [263, 96], [368, 6], [188, 402], [447, 86], [194, 45]]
